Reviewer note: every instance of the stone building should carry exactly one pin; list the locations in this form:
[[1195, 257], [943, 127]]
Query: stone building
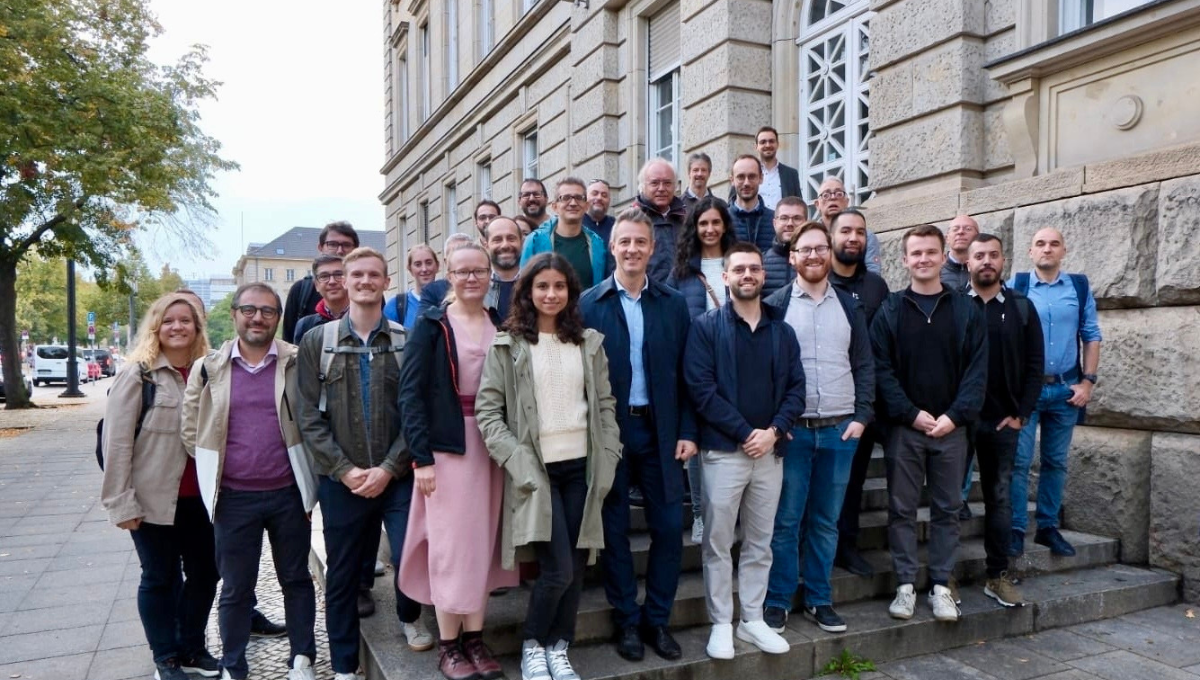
[[1079, 114], [288, 257]]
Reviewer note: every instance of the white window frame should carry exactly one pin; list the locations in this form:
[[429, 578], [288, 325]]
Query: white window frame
[[290, 275], [664, 129], [529, 155], [452, 19], [451, 210], [424, 225], [483, 179], [269, 274], [1076, 14], [485, 17], [402, 98], [820, 153], [423, 55], [657, 109]]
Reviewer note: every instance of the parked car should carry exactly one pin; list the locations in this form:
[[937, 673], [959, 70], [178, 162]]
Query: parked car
[[50, 364], [24, 377], [108, 365], [94, 371]]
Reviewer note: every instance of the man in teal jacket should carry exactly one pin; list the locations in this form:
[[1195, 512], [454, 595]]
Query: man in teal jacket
[[566, 235]]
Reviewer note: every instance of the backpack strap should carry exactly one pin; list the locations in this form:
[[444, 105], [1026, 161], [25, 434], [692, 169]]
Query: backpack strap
[[149, 388], [1082, 285], [329, 333], [1021, 283]]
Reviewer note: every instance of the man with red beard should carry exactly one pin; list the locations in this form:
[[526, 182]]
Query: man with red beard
[[840, 392]]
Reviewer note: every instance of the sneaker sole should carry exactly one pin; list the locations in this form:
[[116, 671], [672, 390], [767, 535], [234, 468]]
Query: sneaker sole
[[840, 628], [946, 619], [719, 655], [420, 647], [903, 616], [750, 640], [996, 596], [197, 671]]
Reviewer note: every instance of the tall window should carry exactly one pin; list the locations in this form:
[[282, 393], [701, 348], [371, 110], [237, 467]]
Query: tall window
[[1075, 14], [451, 211], [290, 274], [483, 176], [268, 274], [663, 116], [424, 222], [835, 132], [402, 99], [426, 90], [529, 155], [451, 45], [485, 21]]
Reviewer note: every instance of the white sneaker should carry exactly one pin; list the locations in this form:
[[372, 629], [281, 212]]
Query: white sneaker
[[720, 641], [347, 676], [380, 568], [698, 531], [943, 605], [533, 661], [906, 601], [301, 669], [759, 634], [419, 639], [560, 665]]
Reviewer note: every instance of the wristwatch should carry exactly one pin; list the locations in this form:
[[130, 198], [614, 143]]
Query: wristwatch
[[1090, 377], [778, 432]]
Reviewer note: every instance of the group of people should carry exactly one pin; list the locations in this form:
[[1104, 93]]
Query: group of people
[[735, 356]]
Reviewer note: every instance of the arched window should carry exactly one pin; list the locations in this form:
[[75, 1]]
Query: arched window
[[835, 131]]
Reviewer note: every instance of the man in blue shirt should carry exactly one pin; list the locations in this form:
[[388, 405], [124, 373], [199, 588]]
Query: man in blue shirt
[[1071, 333], [645, 325]]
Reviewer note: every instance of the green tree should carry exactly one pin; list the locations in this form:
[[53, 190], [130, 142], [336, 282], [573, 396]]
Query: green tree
[[220, 322], [96, 143]]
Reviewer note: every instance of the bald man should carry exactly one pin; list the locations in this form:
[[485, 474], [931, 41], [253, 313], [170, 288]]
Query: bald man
[[959, 234]]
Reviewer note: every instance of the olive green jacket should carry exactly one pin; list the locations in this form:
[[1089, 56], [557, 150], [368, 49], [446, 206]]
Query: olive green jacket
[[507, 412]]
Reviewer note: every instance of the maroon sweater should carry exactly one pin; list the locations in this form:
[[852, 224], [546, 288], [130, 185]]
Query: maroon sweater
[[256, 457]]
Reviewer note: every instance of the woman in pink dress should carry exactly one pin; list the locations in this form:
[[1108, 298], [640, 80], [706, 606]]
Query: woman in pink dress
[[451, 554]]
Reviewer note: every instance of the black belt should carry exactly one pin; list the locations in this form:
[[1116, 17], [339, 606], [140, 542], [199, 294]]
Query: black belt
[[1069, 378], [818, 423], [639, 411]]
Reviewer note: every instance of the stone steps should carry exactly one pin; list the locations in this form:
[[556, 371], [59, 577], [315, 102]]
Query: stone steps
[[1055, 599]]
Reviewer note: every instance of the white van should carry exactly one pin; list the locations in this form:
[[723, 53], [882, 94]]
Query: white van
[[50, 364]]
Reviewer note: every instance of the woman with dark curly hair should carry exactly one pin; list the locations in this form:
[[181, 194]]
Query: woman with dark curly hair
[[548, 418]]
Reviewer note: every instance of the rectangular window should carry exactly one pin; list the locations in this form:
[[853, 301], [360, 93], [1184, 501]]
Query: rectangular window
[[485, 18], [424, 222], [451, 45], [426, 89], [663, 105], [268, 274], [402, 100], [290, 274], [1075, 14], [484, 180], [451, 211], [529, 155]]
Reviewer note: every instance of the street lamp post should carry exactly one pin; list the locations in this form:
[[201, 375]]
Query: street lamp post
[[133, 286], [72, 361]]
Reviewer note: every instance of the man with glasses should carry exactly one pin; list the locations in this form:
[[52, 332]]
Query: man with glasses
[[832, 198], [337, 238], [254, 475], [789, 215], [568, 237], [779, 181], [961, 231], [486, 211], [656, 197], [835, 347], [532, 201], [329, 277], [742, 365], [752, 219]]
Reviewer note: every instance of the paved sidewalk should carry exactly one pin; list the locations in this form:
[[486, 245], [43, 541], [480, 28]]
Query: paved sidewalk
[[68, 578]]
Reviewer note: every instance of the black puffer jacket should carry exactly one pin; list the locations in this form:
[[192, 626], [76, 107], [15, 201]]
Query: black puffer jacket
[[777, 269]]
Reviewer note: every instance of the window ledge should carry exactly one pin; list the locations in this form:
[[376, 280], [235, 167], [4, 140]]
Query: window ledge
[[1110, 36]]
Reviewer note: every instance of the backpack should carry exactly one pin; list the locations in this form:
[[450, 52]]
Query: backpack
[[1021, 285], [148, 389], [329, 336]]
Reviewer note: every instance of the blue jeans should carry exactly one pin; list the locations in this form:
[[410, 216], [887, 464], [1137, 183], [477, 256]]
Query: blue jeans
[[816, 470], [1058, 420]]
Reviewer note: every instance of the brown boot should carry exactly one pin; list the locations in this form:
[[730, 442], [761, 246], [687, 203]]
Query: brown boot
[[481, 656], [453, 663]]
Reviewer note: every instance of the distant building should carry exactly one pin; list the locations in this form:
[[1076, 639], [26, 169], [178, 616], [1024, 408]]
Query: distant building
[[285, 260], [212, 289]]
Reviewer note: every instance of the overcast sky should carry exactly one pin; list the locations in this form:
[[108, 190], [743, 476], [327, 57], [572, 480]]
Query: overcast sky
[[301, 110]]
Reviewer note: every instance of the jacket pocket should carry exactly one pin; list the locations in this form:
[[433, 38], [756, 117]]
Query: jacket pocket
[[164, 414]]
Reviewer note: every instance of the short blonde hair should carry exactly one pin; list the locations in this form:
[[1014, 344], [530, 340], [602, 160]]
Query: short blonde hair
[[363, 252]]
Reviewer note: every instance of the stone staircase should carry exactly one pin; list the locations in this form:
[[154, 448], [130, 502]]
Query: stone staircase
[[1061, 592]]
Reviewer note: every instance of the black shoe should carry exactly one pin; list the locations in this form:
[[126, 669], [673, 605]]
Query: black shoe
[[776, 618], [1016, 546], [827, 619], [1051, 538], [629, 644], [201, 663], [636, 498], [964, 512], [366, 604], [500, 592], [662, 642], [169, 670], [261, 626], [851, 560]]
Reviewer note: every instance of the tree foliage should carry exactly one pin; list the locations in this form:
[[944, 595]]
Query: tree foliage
[[220, 322], [96, 142]]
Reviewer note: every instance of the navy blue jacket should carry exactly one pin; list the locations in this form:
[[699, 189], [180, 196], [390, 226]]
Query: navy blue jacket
[[693, 290], [665, 333], [778, 271], [666, 232], [754, 226], [862, 359], [710, 369]]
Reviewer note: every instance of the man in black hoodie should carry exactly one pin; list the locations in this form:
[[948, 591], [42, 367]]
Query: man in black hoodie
[[930, 346], [850, 274]]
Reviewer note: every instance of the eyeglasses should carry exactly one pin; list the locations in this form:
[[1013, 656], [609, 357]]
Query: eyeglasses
[[660, 183], [791, 219], [249, 311], [339, 245], [465, 274], [821, 251], [530, 194], [571, 198], [753, 269], [838, 193], [326, 277]]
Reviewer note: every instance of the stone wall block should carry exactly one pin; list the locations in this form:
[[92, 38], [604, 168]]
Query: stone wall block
[[996, 46], [999, 15], [728, 65], [747, 21], [602, 100], [1178, 272], [996, 152], [948, 74], [1058, 184], [501, 119], [947, 141], [728, 110], [596, 30], [1149, 369], [886, 217], [913, 26], [891, 260], [1151, 167], [1110, 237], [1108, 488], [603, 64], [892, 95], [1175, 508]]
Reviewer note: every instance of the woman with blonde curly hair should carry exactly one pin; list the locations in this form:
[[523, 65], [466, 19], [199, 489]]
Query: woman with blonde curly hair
[[150, 488]]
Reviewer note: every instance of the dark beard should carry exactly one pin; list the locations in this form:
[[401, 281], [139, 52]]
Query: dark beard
[[847, 259]]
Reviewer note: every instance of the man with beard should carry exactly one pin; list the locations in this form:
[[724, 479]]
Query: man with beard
[[960, 233], [656, 197], [1014, 382], [742, 365], [502, 238], [832, 198], [532, 201], [779, 180], [840, 391], [851, 275], [599, 198], [752, 219], [790, 215], [699, 169], [645, 325], [930, 347], [567, 236]]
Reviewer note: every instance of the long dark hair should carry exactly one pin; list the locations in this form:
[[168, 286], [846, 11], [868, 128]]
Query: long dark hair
[[688, 246], [523, 316]]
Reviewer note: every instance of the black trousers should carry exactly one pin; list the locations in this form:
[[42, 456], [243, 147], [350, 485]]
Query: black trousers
[[996, 451], [554, 601], [852, 503]]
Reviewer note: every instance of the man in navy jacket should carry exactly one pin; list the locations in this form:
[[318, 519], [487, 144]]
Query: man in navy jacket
[[645, 326]]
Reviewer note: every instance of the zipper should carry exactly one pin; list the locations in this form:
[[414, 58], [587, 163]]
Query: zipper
[[928, 317]]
